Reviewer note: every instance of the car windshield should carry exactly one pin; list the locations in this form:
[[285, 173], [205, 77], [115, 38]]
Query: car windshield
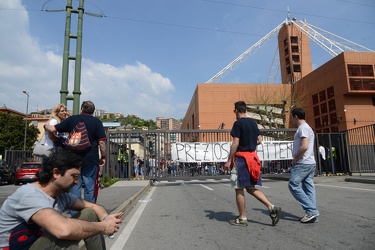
[[31, 166]]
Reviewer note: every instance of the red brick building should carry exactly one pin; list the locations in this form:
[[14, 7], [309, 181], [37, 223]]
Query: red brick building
[[337, 96]]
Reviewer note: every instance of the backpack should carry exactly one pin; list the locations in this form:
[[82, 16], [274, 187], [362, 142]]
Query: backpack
[[78, 139]]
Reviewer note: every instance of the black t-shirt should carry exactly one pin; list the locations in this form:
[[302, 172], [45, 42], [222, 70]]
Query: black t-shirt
[[95, 132], [247, 131]]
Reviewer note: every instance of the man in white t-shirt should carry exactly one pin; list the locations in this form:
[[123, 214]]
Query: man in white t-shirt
[[152, 165], [322, 158], [303, 167]]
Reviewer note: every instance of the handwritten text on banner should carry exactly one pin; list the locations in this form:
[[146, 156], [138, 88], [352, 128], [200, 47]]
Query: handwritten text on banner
[[219, 151]]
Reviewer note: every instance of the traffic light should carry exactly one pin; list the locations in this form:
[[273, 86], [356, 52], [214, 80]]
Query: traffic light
[[150, 146]]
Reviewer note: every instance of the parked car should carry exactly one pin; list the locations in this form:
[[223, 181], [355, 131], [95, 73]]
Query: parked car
[[6, 173], [27, 172]]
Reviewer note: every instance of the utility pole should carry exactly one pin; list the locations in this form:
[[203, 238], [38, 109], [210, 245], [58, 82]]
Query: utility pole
[[27, 113], [64, 97]]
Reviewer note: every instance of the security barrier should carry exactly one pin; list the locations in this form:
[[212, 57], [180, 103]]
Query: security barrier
[[352, 151]]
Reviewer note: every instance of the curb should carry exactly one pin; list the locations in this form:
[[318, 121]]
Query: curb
[[360, 180], [125, 207]]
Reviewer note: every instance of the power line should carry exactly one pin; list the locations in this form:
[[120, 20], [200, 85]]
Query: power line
[[363, 4], [183, 26], [218, 30], [283, 11]]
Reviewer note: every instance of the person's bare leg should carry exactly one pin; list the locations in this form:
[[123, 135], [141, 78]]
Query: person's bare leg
[[241, 203], [260, 196]]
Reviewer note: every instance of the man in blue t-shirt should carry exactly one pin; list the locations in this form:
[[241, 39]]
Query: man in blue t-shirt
[[245, 165], [97, 138], [31, 218]]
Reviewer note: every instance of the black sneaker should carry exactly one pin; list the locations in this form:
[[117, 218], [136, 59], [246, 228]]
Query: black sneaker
[[274, 214], [239, 222]]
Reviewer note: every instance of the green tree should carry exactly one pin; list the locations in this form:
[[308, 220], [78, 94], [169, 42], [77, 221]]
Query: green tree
[[133, 121], [12, 133]]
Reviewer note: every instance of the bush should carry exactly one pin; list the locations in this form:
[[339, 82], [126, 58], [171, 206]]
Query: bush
[[107, 181]]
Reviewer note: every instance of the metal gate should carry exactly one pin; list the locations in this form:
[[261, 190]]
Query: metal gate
[[355, 152], [149, 146]]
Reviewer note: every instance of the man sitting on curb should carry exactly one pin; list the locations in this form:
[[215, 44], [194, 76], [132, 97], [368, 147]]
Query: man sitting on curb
[[31, 218]]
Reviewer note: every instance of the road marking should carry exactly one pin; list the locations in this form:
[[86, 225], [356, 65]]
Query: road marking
[[206, 187], [362, 189], [229, 185], [123, 237]]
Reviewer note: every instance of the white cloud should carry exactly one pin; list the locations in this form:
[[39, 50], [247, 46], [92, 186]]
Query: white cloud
[[28, 64]]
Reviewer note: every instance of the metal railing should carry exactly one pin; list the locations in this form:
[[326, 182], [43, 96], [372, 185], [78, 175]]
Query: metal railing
[[355, 152], [137, 142]]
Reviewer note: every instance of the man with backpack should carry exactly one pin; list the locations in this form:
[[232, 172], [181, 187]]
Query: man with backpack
[[86, 135]]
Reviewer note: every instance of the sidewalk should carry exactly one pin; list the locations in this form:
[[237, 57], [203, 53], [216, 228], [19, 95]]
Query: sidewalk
[[367, 178], [121, 196]]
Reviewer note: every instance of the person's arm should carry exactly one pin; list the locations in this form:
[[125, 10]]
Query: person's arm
[[103, 152], [233, 149], [50, 128], [73, 229], [259, 140], [100, 211], [301, 150]]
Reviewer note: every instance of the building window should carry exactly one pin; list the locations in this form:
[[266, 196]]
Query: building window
[[317, 123], [285, 42], [297, 68], [294, 39], [362, 84], [333, 118], [373, 101], [353, 70], [334, 129], [360, 70], [316, 111], [295, 49], [355, 84], [325, 120], [295, 58], [315, 99], [322, 96], [35, 123], [331, 105], [330, 92], [366, 70], [323, 108], [368, 84]]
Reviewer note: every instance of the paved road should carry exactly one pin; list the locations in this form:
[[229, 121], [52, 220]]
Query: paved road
[[194, 215]]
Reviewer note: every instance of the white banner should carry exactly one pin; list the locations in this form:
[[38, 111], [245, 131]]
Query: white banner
[[219, 151]]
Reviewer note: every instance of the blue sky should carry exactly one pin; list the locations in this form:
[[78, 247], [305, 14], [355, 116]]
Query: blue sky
[[146, 57]]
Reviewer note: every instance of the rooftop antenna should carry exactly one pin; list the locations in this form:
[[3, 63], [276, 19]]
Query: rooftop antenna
[[288, 17]]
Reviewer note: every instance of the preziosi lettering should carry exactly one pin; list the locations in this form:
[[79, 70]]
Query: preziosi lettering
[[219, 151]]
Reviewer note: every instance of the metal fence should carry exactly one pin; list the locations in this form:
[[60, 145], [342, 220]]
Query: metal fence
[[156, 144], [361, 149], [355, 152], [15, 158], [352, 151]]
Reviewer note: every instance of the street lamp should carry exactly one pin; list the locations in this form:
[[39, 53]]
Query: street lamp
[[27, 110]]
